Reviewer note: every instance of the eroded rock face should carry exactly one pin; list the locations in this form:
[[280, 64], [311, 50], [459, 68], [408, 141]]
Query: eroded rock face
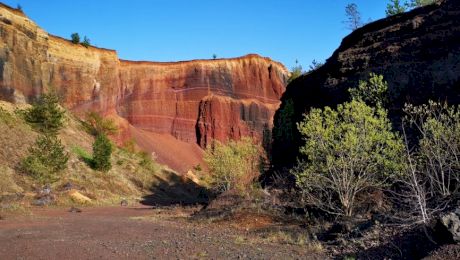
[[176, 98], [194, 101], [418, 53]]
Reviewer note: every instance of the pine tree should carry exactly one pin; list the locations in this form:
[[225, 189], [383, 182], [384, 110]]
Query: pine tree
[[45, 115], [102, 151], [395, 7], [46, 158]]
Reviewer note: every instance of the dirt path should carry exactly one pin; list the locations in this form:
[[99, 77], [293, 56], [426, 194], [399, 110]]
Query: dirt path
[[130, 233]]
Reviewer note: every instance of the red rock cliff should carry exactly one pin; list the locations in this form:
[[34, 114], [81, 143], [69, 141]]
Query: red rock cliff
[[193, 101]]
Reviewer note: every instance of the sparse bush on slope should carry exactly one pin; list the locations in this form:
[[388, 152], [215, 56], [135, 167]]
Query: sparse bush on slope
[[46, 159], [235, 165]]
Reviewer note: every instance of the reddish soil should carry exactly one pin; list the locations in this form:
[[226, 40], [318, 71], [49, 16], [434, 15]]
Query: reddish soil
[[185, 155], [131, 233]]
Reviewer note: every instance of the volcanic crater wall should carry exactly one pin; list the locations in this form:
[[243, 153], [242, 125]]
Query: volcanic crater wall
[[417, 52], [194, 101]]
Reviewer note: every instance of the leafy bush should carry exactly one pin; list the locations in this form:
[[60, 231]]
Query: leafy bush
[[433, 176], [45, 115], [102, 151], [46, 158], [235, 165], [374, 91], [75, 38], [349, 151], [95, 124]]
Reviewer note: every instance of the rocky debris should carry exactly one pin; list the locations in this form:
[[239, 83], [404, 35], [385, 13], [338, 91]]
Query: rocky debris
[[451, 221], [43, 201], [77, 197], [68, 186], [75, 210], [124, 203], [44, 196]]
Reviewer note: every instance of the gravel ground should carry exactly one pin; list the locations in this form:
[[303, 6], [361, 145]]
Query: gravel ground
[[132, 233]]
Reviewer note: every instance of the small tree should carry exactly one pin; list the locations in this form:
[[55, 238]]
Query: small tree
[[432, 178], [353, 21], [19, 7], [214, 56], [349, 151], [315, 65], [86, 42], [75, 38], [45, 115], [46, 158], [102, 151], [373, 91], [395, 7], [235, 165]]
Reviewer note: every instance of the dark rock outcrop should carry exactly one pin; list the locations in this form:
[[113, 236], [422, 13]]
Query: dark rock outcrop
[[417, 52]]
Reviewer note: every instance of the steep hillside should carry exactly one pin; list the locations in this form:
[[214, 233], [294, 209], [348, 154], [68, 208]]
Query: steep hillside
[[132, 176], [193, 101], [417, 52]]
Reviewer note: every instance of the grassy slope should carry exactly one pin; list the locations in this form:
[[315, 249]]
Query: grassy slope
[[130, 177]]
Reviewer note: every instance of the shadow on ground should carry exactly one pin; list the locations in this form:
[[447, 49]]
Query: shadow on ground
[[174, 190]]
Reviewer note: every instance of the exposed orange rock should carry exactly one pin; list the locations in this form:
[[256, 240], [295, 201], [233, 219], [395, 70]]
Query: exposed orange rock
[[192, 101]]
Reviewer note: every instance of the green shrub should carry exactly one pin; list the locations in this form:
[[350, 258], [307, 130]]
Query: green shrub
[[45, 115], [235, 165], [438, 150], [147, 162], [296, 72], [102, 151], [75, 38], [95, 124], [373, 91], [396, 7], [349, 151], [6, 117], [83, 155], [432, 180], [86, 42], [46, 159]]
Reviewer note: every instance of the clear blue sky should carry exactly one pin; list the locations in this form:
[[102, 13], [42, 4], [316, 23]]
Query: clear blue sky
[[172, 30]]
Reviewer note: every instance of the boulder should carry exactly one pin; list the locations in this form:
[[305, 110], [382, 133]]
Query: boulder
[[451, 221]]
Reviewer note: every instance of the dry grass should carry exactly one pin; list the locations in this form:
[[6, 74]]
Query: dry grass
[[132, 176]]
